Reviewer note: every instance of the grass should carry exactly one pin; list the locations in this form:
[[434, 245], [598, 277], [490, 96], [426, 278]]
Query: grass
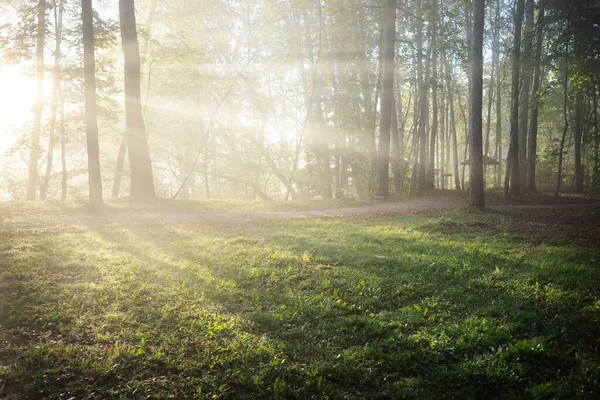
[[127, 206], [453, 305]]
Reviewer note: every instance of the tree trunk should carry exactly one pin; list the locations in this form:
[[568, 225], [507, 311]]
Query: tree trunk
[[39, 103], [533, 126], [578, 136], [387, 100], [476, 195], [565, 115], [423, 103], [526, 84], [91, 122], [434, 99], [116, 189], [494, 75], [63, 156], [142, 181], [453, 131], [512, 180], [397, 159], [58, 17]]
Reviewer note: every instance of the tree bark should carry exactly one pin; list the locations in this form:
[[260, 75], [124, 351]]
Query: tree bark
[[142, 180], [533, 126], [526, 85], [512, 179], [63, 145], [39, 103], [476, 195], [453, 131], [387, 100], [91, 121], [578, 136], [434, 99], [565, 114], [423, 103], [58, 17]]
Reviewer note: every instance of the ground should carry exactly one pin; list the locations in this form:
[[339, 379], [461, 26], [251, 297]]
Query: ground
[[418, 299]]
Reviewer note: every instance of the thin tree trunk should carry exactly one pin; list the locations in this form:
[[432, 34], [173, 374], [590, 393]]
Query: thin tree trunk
[[58, 16], [476, 195], [533, 126], [493, 75], [512, 179], [387, 101], [565, 115], [423, 103], [434, 98], [578, 136], [116, 189], [396, 151], [63, 156], [91, 121], [39, 103], [453, 131], [142, 180]]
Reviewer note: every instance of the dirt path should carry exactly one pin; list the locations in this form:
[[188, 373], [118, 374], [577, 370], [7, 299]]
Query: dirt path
[[425, 204]]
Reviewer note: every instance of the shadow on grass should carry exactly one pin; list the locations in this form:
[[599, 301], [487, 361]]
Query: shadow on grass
[[347, 310]]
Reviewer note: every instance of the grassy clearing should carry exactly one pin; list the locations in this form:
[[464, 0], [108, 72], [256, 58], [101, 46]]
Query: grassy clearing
[[450, 305], [127, 206]]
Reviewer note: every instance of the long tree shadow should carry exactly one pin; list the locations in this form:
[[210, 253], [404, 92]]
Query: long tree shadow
[[306, 311]]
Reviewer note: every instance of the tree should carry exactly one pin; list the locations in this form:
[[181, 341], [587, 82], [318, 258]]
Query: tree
[[526, 76], [561, 152], [58, 10], [512, 179], [476, 195], [387, 101], [578, 133], [533, 126], [34, 151], [91, 119], [142, 178]]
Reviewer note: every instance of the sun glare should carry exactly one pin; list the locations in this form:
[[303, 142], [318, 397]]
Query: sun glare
[[17, 94]]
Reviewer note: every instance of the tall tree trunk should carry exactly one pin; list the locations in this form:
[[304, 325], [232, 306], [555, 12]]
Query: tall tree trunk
[[116, 189], [39, 103], [596, 134], [63, 145], [476, 196], [387, 100], [565, 114], [512, 180], [578, 136], [434, 99], [58, 17], [453, 130], [397, 158], [494, 74], [423, 102], [118, 177], [526, 85], [142, 180], [91, 122], [498, 134], [533, 126]]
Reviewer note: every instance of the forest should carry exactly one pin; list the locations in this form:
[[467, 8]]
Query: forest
[[299, 199]]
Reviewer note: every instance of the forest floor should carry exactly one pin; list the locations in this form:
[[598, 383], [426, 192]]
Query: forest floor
[[15, 215], [418, 299]]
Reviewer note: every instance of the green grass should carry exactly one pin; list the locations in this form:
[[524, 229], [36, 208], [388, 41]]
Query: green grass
[[127, 206], [451, 305]]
